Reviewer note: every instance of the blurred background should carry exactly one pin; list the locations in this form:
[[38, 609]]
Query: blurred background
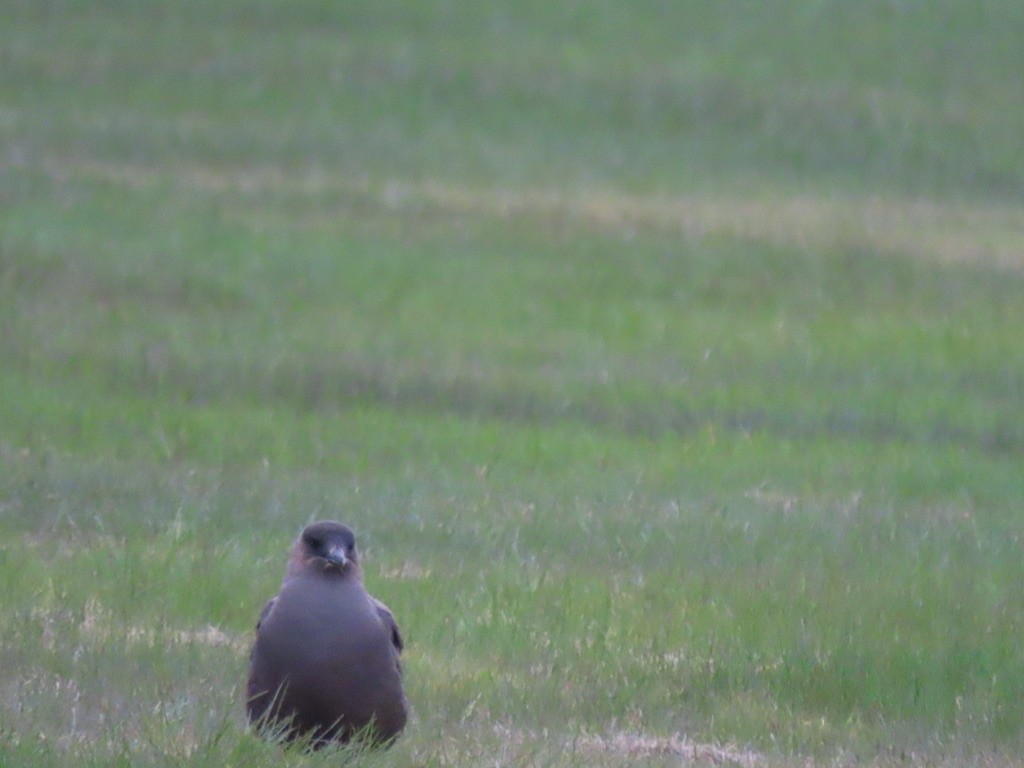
[[665, 356]]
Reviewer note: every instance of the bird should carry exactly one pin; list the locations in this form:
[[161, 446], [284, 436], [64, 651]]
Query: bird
[[325, 664]]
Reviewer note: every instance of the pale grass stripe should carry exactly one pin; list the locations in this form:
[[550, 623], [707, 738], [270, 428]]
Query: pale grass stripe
[[940, 231]]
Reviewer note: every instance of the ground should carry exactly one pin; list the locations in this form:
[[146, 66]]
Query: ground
[[665, 358]]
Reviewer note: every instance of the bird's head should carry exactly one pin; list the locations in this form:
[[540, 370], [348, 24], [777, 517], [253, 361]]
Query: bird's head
[[326, 546]]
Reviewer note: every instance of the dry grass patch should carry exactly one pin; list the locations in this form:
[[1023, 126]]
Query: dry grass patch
[[98, 627], [640, 746]]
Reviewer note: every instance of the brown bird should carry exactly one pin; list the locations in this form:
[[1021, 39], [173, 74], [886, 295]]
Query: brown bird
[[325, 664]]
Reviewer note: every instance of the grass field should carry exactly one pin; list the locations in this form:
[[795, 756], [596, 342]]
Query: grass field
[[666, 357]]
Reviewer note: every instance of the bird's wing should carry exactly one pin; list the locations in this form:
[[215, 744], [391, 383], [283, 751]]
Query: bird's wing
[[265, 611], [388, 618]]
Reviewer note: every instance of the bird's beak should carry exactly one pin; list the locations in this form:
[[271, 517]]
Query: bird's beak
[[337, 556]]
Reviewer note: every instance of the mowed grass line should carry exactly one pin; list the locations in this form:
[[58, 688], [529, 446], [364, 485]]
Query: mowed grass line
[[673, 391], [937, 231]]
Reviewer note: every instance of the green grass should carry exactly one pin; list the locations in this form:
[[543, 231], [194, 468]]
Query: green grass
[[665, 357]]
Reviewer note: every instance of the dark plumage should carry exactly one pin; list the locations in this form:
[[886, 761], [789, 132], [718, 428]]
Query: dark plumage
[[325, 663]]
